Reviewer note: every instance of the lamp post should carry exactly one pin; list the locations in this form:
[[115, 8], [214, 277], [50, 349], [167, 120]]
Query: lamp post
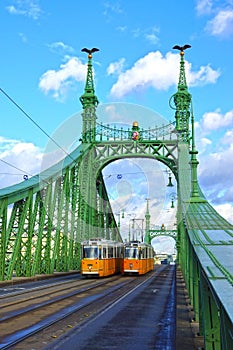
[[120, 215], [170, 184], [129, 234], [142, 221], [173, 196]]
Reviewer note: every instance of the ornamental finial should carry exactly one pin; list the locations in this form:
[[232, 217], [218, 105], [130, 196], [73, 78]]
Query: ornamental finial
[[90, 52], [88, 99], [182, 48]]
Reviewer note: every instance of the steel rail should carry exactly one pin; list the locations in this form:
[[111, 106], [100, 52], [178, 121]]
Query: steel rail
[[17, 337]]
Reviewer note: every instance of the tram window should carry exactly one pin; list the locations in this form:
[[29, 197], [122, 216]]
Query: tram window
[[90, 252], [104, 252], [110, 252], [100, 252], [131, 253], [140, 254]]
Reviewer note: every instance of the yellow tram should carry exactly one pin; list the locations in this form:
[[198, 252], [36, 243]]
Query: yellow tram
[[101, 257], [138, 258]]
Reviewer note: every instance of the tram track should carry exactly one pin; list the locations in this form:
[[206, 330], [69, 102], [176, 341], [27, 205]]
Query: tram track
[[23, 297], [20, 324], [24, 316]]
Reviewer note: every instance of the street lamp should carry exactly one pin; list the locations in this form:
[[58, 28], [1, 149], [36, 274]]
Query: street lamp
[[170, 184], [173, 197]]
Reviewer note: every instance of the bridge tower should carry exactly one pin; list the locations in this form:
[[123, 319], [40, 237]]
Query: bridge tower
[[89, 102], [42, 222], [95, 217]]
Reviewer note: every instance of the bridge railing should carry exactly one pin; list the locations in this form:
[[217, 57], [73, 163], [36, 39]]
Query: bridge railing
[[106, 132]]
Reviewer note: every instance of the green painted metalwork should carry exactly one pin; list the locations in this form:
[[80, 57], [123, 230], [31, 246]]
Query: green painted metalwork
[[89, 102], [182, 100], [147, 217], [210, 317], [44, 219], [163, 231]]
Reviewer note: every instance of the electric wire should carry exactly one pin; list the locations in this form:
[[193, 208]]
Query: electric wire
[[135, 172], [35, 123], [15, 167]]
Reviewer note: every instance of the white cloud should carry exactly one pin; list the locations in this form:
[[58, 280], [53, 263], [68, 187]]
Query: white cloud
[[60, 47], [152, 35], [202, 144], [215, 174], [204, 7], [221, 24], [205, 75], [28, 8], [216, 120], [154, 70], [121, 29], [23, 37], [226, 210], [111, 10], [18, 158], [216, 156], [60, 81], [228, 137], [116, 67]]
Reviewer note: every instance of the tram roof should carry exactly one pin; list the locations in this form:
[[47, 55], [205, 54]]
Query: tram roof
[[99, 241], [137, 244]]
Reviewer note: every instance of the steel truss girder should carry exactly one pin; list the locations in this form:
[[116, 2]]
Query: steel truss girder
[[169, 233], [39, 231], [165, 151], [95, 217]]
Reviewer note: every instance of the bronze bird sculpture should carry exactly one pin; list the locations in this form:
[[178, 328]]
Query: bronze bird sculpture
[[90, 52], [182, 48]]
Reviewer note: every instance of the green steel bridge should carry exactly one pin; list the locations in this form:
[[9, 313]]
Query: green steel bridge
[[44, 219]]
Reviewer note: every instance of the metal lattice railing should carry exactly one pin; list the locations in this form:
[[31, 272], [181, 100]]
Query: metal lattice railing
[[107, 132]]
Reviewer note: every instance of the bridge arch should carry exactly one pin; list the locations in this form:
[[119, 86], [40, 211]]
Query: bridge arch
[[119, 144], [100, 164], [54, 217], [164, 244]]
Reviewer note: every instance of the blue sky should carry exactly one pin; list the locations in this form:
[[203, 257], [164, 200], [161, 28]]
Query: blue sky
[[43, 70]]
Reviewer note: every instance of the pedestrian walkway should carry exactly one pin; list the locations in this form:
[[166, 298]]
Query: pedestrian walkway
[[186, 329]]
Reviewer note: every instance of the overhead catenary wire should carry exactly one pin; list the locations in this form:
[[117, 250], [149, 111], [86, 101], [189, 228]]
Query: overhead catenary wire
[[35, 123], [135, 172], [15, 167]]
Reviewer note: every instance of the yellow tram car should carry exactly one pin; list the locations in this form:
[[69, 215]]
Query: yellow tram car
[[101, 257], [138, 258]]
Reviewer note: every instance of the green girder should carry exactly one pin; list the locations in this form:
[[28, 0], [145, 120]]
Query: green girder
[[44, 219]]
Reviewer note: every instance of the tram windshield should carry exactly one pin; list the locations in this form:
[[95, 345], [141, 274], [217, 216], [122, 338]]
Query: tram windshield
[[131, 253], [90, 252]]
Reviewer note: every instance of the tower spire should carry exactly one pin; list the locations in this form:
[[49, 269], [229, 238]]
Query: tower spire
[[89, 101], [147, 216], [183, 106], [182, 99]]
